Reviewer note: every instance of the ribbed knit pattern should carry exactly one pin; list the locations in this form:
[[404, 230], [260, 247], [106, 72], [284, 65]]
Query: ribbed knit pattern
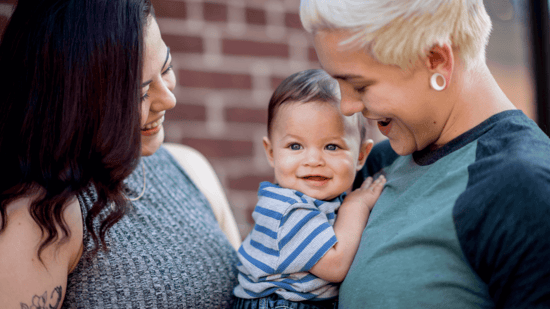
[[168, 252]]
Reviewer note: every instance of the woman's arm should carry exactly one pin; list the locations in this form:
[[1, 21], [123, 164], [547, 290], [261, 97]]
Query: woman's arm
[[204, 177], [352, 218], [25, 281]]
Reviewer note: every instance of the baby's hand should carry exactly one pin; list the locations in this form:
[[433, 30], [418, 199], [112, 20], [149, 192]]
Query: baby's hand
[[368, 193], [351, 220]]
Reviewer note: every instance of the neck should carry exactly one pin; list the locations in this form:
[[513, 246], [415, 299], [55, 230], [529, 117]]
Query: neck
[[473, 97]]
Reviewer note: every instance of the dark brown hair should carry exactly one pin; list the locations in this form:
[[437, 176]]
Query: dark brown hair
[[70, 108], [306, 86]]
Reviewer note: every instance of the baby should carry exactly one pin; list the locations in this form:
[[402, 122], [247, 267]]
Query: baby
[[299, 249]]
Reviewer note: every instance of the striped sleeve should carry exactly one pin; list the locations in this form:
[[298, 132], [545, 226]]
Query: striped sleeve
[[290, 234], [259, 252], [303, 239]]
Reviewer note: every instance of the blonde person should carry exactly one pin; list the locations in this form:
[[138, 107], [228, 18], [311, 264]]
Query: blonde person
[[464, 218], [306, 229], [94, 211]]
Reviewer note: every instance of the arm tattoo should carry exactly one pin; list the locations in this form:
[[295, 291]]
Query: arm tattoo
[[42, 302]]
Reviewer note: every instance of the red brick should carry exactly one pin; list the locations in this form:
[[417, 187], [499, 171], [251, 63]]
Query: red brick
[[275, 82], [214, 80], [248, 182], [220, 148], [312, 55], [168, 8], [187, 112], [186, 44], [215, 12], [292, 20], [259, 49], [255, 16], [246, 115]]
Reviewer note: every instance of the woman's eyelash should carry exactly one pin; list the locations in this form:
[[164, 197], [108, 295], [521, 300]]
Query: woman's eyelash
[[144, 97], [167, 70], [360, 89]]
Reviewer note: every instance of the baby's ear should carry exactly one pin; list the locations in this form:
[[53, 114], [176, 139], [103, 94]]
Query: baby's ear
[[268, 150], [364, 151]]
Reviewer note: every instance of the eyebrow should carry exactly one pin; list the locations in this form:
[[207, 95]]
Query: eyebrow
[[346, 77], [163, 65]]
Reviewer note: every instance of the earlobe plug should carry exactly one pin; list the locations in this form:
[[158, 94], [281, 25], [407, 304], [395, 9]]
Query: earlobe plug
[[435, 85]]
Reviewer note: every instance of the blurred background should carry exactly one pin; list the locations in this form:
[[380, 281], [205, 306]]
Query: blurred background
[[229, 55]]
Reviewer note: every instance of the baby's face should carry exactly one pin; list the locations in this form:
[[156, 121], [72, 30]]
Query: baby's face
[[314, 149]]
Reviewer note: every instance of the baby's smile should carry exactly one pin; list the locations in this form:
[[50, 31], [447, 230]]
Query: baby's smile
[[315, 178]]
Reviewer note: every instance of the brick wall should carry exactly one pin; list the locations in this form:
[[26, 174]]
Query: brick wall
[[229, 55]]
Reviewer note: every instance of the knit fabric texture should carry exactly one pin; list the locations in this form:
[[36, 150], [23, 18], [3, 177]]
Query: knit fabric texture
[[167, 252]]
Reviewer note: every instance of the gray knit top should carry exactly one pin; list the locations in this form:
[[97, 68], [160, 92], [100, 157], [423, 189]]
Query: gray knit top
[[168, 252]]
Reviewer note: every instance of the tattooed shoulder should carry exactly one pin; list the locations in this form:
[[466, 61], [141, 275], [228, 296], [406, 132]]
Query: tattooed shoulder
[[45, 302]]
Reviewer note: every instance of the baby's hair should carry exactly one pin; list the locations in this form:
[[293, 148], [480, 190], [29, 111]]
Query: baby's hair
[[312, 85]]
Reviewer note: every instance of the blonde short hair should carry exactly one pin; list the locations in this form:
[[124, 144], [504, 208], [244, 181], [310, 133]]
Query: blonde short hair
[[397, 32]]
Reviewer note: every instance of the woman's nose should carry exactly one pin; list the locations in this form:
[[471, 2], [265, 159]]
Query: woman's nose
[[165, 98], [350, 103]]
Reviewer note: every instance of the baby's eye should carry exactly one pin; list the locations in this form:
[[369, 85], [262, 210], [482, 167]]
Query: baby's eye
[[295, 146], [331, 147]]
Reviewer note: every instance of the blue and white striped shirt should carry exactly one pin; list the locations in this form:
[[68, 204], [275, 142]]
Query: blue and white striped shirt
[[292, 232]]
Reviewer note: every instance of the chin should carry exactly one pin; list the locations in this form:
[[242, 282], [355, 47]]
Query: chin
[[405, 147], [147, 151], [150, 144], [402, 150], [321, 196]]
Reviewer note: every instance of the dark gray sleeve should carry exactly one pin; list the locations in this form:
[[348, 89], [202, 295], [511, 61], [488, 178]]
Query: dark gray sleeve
[[503, 224]]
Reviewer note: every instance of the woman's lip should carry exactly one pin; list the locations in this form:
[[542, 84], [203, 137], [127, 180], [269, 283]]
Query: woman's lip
[[153, 127], [160, 119], [152, 131], [385, 129]]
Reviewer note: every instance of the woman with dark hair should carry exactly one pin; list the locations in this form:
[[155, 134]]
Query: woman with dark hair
[[94, 213]]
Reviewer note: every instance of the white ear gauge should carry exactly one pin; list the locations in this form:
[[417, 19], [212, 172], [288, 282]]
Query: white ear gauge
[[435, 85]]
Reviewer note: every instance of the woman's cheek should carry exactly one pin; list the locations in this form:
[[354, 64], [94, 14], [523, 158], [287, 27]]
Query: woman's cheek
[[144, 113]]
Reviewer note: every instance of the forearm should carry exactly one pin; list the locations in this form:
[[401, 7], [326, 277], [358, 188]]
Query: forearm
[[349, 226]]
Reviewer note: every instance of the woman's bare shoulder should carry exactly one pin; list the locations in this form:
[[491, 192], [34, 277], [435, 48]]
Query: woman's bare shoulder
[[25, 279]]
